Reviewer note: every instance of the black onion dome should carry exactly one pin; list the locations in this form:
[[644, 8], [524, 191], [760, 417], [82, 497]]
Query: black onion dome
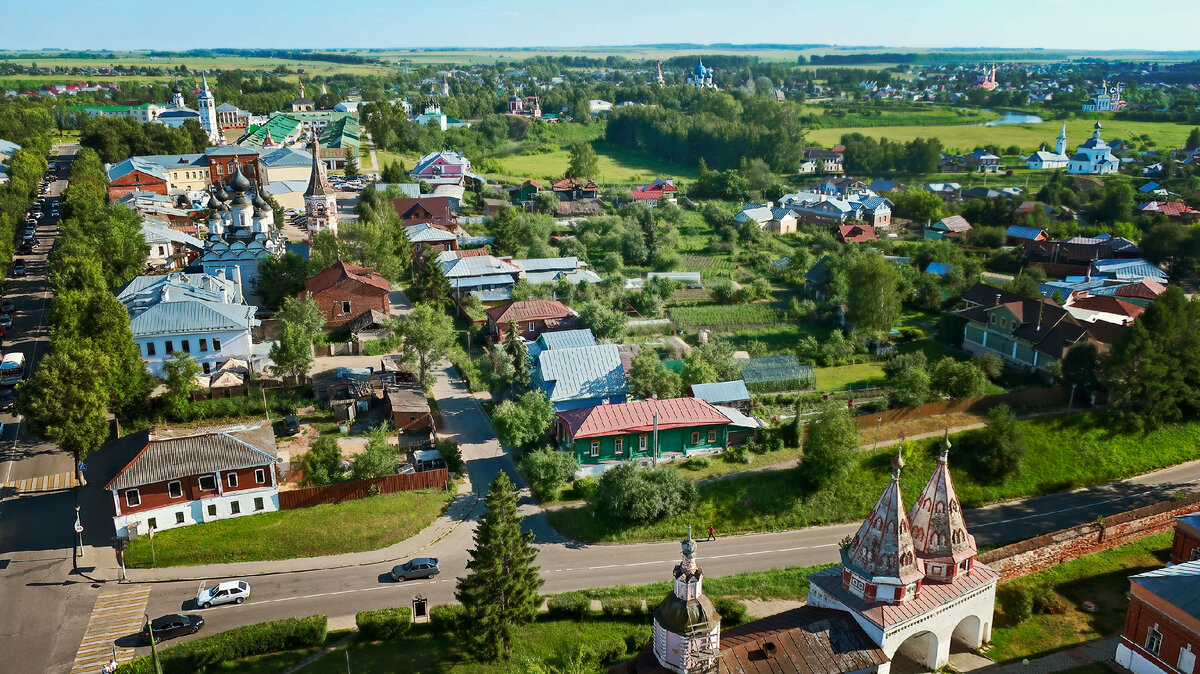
[[240, 182]]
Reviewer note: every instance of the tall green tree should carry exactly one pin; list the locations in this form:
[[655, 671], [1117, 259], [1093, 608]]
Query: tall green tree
[[831, 448], [427, 336], [351, 167], [304, 314], [323, 252], [66, 399], [181, 371], [280, 277], [518, 353], [431, 285], [378, 458], [523, 422], [584, 163], [873, 299], [292, 354], [500, 591], [649, 377]]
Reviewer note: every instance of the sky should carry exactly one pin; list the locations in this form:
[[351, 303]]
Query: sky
[[317, 24]]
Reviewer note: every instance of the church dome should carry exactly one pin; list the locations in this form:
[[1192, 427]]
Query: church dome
[[679, 616], [212, 202], [883, 547], [700, 69], [241, 200], [176, 90], [224, 208], [239, 183], [221, 194], [938, 530], [259, 202]]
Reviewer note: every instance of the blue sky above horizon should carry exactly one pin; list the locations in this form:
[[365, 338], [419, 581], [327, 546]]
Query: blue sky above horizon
[[309, 24]]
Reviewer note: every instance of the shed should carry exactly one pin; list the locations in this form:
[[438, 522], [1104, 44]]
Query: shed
[[728, 393], [777, 373], [428, 459]]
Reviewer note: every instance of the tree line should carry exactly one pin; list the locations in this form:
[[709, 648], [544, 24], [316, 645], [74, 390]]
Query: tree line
[[27, 124]]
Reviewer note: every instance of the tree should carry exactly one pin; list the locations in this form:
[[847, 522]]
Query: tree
[[431, 285], [918, 204], [548, 470], [181, 373], [322, 462], [378, 458], [280, 277], [393, 173], [907, 379], [1193, 139], [698, 370], [351, 167], [1081, 366], [996, 451], [304, 314], [292, 354], [523, 422], [605, 323], [873, 299], [500, 591], [957, 379], [632, 495], [323, 252], [427, 337], [831, 448], [583, 162], [65, 400], [649, 377], [518, 353], [990, 364]]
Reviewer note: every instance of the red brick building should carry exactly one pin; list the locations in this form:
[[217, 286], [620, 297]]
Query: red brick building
[[533, 317], [137, 181], [181, 477], [221, 162], [345, 292], [1187, 539], [1162, 623]]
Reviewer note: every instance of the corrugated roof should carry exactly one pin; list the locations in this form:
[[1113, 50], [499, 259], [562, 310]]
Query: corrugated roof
[[887, 616], [721, 391], [638, 416], [1179, 585], [1019, 232], [580, 373], [176, 454], [548, 264], [561, 339], [341, 271], [192, 316], [528, 310]]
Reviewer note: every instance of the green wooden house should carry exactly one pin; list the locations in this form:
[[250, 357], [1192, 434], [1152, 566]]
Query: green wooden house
[[603, 436], [525, 192]]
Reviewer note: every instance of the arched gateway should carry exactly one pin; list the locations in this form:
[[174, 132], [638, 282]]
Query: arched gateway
[[910, 579]]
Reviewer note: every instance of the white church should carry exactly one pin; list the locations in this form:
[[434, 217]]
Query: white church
[[1044, 159], [1093, 157]]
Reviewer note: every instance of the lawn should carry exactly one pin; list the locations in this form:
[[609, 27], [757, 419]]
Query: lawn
[[1101, 578], [616, 166], [855, 376], [1062, 453], [1027, 136], [354, 526], [722, 315], [718, 466]]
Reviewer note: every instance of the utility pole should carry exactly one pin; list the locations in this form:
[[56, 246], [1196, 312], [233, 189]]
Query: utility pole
[[878, 425], [153, 646], [656, 438]]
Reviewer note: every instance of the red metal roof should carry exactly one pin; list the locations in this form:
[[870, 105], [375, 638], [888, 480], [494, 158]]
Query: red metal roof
[[855, 233], [1109, 305], [528, 310], [933, 595], [1145, 289], [341, 271], [638, 416]]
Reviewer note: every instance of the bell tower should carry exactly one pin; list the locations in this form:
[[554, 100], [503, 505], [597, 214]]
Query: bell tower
[[687, 629]]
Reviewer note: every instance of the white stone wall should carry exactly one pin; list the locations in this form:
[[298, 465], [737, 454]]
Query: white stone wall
[[233, 345], [197, 511]]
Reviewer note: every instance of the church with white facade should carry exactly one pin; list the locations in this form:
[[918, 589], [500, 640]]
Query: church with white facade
[[1093, 157], [1044, 159]]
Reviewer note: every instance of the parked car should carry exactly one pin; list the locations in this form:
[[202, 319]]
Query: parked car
[[7, 306], [421, 567], [19, 268], [6, 320], [171, 626], [291, 425], [230, 592], [7, 402]]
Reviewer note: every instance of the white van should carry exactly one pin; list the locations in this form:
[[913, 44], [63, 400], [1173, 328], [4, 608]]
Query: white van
[[12, 369]]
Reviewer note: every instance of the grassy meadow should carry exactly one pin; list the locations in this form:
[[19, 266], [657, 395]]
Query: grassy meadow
[[617, 166]]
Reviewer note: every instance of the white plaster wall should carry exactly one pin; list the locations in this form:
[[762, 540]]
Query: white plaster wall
[[197, 511]]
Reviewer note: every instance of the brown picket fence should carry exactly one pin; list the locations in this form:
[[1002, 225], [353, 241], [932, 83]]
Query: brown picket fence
[[356, 489]]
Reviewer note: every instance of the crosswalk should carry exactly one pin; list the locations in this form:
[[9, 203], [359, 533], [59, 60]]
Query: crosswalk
[[118, 613], [40, 483]]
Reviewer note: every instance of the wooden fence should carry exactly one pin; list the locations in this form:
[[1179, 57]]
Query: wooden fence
[[1015, 399], [356, 489]]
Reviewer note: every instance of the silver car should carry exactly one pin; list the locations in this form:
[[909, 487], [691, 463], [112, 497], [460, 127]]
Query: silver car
[[231, 592]]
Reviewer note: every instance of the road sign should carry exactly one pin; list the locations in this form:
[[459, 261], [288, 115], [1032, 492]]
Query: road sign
[[82, 467], [78, 527]]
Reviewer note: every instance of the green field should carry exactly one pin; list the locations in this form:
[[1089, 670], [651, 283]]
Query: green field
[[834, 378], [354, 526], [720, 315], [1028, 137], [310, 68], [617, 166]]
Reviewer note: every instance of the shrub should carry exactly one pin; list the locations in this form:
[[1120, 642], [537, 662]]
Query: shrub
[[738, 455], [548, 471], [697, 463], [609, 650], [572, 605], [990, 364], [451, 454], [384, 623], [1016, 601], [1046, 600], [587, 488], [733, 612], [198, 656], [615, 606], [996, 451], [446, 618], [633, 495]]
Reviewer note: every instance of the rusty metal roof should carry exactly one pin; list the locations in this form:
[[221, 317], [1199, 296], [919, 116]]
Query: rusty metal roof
[[933, 595], [803, 640], [170, 455]]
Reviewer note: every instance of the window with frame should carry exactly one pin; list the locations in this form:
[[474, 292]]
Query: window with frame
[[643, 441], [1187, 660], [179, 517], [152, 523], [695, 437], [175, 489], [595, 449], [150, 348], [208, 482], [1153, 640], [235, 508], [532, 326], [212, 510], [258, 503], [345, 307], [712, 436], [206, 367], [231, 479], [187, 346], [216, 343], [203, 344], [170, 347], [619, 446], [260, 476], [133, 498]]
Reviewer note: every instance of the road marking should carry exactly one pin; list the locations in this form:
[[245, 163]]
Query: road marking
[[1078, 507], [116, 614], [30, 485]]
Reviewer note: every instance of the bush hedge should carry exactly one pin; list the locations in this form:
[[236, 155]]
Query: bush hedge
[[196, 657], [733, 612], [446, 617], [615, 606], [568, 605], [384, 623], [1016, 600]]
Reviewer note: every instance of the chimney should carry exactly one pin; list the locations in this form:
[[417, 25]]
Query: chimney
[[769, 649], [997, 300], [237, 278], [166, 294]]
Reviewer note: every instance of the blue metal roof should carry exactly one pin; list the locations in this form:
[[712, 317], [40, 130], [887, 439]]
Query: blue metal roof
[[1179, 585], [721, 391], [190, 316], [939, 268], [7, 147], [581, 373], [561, 339], [1019, 232]]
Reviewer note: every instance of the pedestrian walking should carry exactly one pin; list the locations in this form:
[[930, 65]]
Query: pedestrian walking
[[712, 533]]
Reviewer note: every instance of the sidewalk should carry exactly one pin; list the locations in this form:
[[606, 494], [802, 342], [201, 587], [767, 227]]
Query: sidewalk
[[463, 508], [1101, 650]]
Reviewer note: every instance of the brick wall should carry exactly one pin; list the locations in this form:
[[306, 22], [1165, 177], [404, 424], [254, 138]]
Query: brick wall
[[1043, 552], [1187, 544]]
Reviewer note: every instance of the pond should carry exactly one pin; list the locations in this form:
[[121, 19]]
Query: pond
[[1010, 117]]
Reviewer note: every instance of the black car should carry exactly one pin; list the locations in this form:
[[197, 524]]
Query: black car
[[291, 425], [7, 306], [421, 567], [19, 268], [7, 402], [174, 625]]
